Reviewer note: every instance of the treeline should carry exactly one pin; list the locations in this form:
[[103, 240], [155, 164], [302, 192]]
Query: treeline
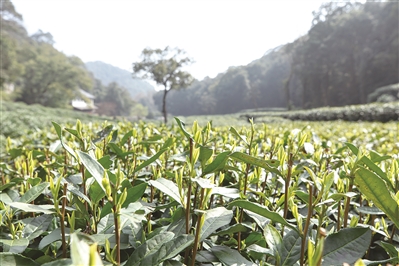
[[34, 72], [350, 51]]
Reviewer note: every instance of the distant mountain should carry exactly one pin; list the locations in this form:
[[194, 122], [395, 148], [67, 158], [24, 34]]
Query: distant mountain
[[107, 74]]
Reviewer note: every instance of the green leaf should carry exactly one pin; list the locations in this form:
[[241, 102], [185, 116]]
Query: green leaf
[[59, 133], [59, 262], [150, 160], [391, 261], [78, 193], [173, 263], [169, 250], [103, 133], [12, 259], [34, 192], [389, 248], [55, 235], [232, 230], [346, 246], [81, 253], [126, 137], [205, 256], [259, 249], [47, 209], [214, 219], [243, 138], [226, 192], [261, 210], [116, 149], [370, 210], [230, 256], [4, 187], [14, 245], [36, 226], [183, 129], [370, 164], [217, 164], [96, 192], [375, 189], [134, 194], [149, 247], [274, 241], [291, 248], [106, 161], [169, 142], [94, 167], [204, 155], [268, 165], [168, 187], [203, 182]]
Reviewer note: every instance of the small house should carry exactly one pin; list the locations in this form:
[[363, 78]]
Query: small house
[[84, 102]]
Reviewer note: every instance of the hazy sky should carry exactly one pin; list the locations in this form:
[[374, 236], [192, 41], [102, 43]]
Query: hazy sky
[[216, 34]]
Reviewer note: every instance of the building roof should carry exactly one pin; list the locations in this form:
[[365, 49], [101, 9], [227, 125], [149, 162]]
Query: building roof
[[86, 94]]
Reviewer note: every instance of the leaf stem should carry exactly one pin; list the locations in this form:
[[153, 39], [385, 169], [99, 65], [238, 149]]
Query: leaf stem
[[287, 184], [305, 230], [198, 229], [347, 204], [117, 234], [62, 218]]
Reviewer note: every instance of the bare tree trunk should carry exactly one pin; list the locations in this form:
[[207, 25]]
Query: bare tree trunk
[[165, 115]]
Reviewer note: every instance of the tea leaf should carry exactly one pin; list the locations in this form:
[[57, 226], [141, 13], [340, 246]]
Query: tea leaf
[[94, 167], [274, 241], [346, 246], [149, 247], [149, 161], [167, 187], [217, 164], [12, 259], [230, 256], [214, 219], [261, 210], [47, 209], [36, 226], [291, 248], [14, 245], [375, 189]]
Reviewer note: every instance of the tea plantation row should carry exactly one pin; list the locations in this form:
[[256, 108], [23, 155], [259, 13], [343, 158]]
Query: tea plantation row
[[143, 194]]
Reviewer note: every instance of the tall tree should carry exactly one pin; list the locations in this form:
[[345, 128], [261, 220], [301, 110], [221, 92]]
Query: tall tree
[[165, 67]]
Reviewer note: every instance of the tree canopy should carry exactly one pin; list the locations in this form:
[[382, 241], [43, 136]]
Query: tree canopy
[[165, 67]]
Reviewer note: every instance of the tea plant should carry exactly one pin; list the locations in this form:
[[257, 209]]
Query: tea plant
[[140, 194]]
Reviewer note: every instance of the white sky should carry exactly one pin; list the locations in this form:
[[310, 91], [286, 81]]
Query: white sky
[[216, 34]]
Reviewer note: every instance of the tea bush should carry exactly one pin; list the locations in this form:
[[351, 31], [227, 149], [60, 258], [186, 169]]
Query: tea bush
[[144, 194]]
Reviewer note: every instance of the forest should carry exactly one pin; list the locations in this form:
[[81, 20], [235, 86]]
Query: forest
[[348, 56], [350, 51], [34, 72]]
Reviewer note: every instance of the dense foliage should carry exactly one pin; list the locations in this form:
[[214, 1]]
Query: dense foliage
[[34, 72], [377, 112], [140, 194], [385, 94], [351, 50]]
